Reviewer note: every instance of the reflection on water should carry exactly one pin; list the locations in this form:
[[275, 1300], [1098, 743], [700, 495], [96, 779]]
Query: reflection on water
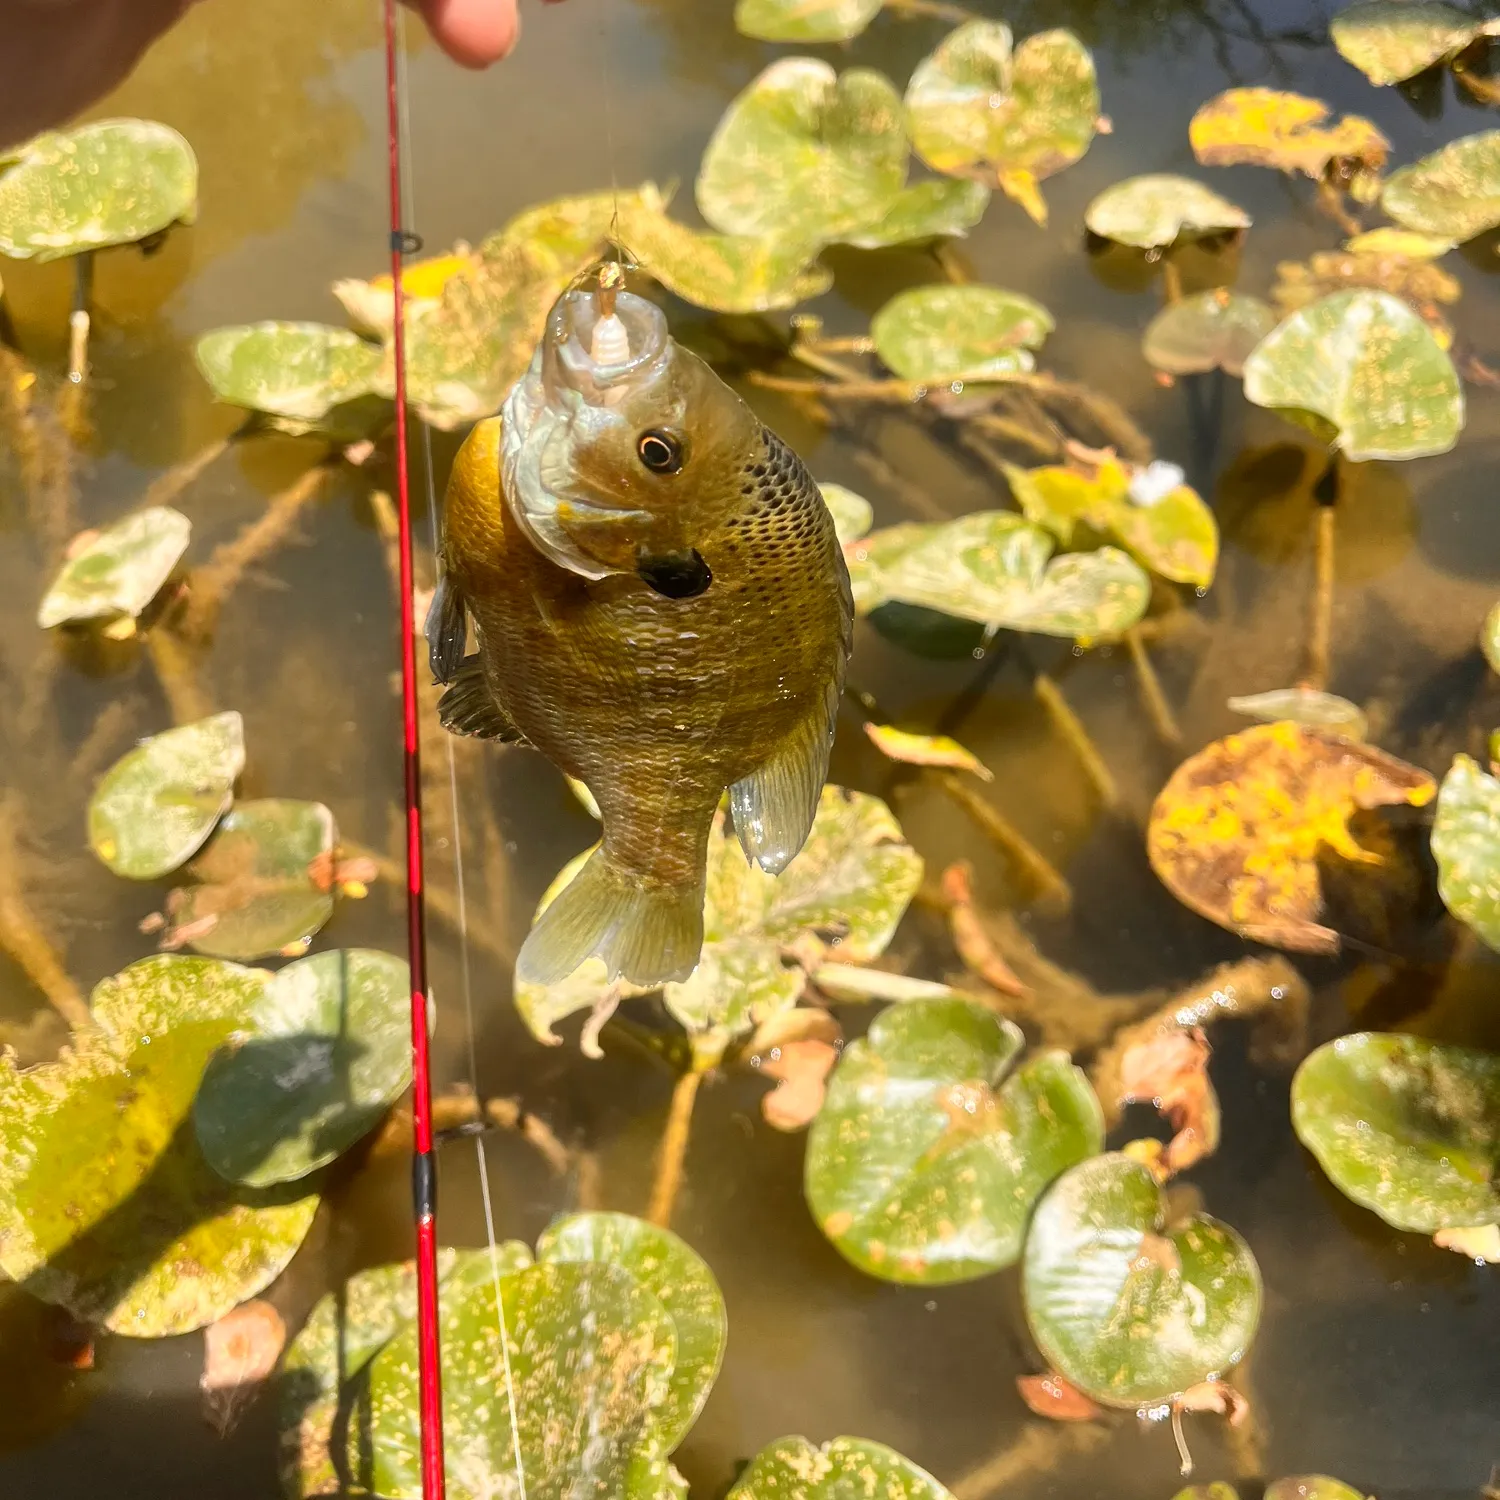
[[1375, 1359]]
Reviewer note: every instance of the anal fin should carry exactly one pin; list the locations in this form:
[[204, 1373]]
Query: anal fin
[[774, 806], [469, 708]]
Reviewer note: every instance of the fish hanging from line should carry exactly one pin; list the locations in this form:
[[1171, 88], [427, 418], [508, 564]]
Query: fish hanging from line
[[662, 609]]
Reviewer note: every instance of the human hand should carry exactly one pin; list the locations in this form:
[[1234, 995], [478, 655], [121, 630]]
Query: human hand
[[475, 33]]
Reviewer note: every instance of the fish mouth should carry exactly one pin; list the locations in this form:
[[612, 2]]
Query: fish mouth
[[572, 337]]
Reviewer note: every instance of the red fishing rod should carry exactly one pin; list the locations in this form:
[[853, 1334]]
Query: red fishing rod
[[424, 1163]]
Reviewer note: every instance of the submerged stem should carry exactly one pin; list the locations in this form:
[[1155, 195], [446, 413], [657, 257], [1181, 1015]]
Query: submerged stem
[[1070, 726], [1320, 636], [1038, 1450], [21, 932], [673, 1150], [1151, 689], [938, 8], [176, 671], [1008, 839]]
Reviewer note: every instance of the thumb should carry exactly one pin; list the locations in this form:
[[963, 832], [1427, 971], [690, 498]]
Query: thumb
[[474, 33]]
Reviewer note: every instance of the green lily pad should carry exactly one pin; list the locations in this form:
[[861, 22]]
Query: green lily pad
[[265, 882], [1304, 705], [156, 805], [852, 513], [922, 1166], [937, 334], [1127, 1309], [1408, 1128], [1153, 211], [682, 1282], [845, 1468], [119, 571], [1489, 638], [107, 1205], [1311, 1487], [1174, 535], [1013, 117], [591, 1352], [1453, 193], [110, 182], [1466, 845], [1369, 368], [326, 1050], [1390, 41], [344, 1332], [811, 156], [300, 371], [722, 272], [993, 568], [851, 883], [1213, 330], [804, 20]]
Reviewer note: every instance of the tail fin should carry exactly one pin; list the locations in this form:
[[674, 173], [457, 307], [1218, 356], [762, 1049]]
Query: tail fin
[[647, 934]]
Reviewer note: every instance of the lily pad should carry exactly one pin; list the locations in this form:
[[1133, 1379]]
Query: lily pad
[[265, 882], [1369, 369], [1153, 211], [1466, 845], [110, 182], [929, 1151], [1236, 833], [1311, 1487], [1272, 128], [721, 272], [1455, 192], [324, 1052], [680, 1279], [844, 1468], [119, 570], [804, 20], [925, 750], [811, 156], [996, 569], [939, 334], [1127, 1308], [1214, 330], [300, 371], [1413, 278], [851, 884], [107, 1205], [1405, 1127], [156, 805], [1175, 535], [1390, 41], [852, 513], [591, 1353], [1010, 117], [1304, 705]]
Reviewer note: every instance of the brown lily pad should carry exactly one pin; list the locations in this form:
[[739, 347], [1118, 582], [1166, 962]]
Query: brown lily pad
[[1237, 832], [1272, 128]]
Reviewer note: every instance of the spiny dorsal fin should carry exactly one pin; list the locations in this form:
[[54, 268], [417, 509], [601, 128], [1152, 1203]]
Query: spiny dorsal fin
[[447, 630]]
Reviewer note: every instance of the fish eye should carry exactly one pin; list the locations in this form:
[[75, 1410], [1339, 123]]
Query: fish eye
[[660, 451]]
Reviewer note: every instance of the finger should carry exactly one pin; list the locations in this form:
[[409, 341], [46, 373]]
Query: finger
[[475, 33]]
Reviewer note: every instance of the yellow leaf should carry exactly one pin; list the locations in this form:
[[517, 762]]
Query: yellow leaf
[[1269, 128], [1020, 186], [1481, 1243], [1407, 243], [1241, 832], [926, 750]]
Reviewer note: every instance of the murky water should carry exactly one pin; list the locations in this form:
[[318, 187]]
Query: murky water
[[1376, 1359]]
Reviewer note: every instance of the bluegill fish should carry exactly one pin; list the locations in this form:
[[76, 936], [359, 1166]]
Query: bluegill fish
[[661, 607]]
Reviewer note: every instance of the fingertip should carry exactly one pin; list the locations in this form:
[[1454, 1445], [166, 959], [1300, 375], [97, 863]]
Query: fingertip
[[474, 33]]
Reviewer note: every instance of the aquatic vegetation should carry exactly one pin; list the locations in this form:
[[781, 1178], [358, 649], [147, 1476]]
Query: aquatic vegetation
[[1466, 846], [1214, 330], [1390, 43], [1157, 210], [937, 334], [1270, 128], [1453, 193]]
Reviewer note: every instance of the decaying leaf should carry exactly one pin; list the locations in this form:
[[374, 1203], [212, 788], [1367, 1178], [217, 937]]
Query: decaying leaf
[[1390, 41], [1052, 1397], [801, 1070], [968, 933], [1010, 117], [117, 572], [240, 1351], [1217, 1396], [1170, 1070], [1271, 128], [1481, 1243], [1413, 278], [1236, 833], [925, 750], [1304, 705]]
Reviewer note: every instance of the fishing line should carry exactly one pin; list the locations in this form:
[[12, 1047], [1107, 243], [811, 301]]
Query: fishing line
[[424, 1174]]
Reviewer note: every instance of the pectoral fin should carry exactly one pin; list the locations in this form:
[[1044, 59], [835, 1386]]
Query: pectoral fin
[[468, 707], [774, 807], [446, 630]]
